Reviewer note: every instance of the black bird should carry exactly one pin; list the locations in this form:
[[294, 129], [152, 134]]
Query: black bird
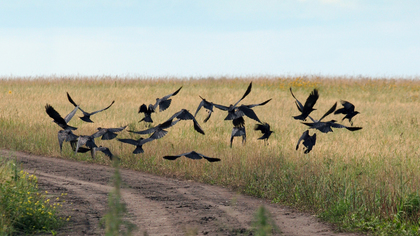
[[147, 113], [309, 104], [93, 151], [87, 140], [159, 130], [308, 141], [165, 102], [265, 130], [326, 127], [348, 110], [192, 155], [138, 143], [184, 114], [231, 109], [65, 135], [86, 115], [60, 121], [108, 133], [247, 111], [238, 131], [206, 104]]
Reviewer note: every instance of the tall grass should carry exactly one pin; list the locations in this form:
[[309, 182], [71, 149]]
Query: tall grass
[[366, 180]]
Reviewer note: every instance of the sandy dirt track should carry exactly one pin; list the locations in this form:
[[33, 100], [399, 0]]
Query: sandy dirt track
[[157, 205]]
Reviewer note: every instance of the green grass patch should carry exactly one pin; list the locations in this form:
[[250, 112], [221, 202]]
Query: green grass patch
[[23, 207]]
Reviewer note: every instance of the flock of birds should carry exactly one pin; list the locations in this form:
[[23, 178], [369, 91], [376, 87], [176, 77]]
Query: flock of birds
[[235, 113]]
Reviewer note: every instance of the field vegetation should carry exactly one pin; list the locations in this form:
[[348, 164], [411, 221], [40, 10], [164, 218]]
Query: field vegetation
[[367, 180]]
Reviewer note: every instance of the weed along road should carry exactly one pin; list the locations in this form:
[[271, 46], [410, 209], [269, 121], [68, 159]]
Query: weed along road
[[158, 205]]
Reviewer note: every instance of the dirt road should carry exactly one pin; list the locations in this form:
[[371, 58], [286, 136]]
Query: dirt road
[[157, 205]]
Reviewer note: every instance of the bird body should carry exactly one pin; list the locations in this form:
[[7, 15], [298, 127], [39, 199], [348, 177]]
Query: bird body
[[347, 110], [164, 102], [138, 143], [147, 113], [184, 114], [108, 133], [308, 141], [159, 130], [265, 130]]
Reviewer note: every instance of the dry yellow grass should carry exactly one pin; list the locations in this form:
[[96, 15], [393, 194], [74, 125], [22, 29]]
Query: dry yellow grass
[[375, 168]]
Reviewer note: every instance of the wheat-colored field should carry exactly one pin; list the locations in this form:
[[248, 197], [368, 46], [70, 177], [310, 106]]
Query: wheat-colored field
[[365, 179]]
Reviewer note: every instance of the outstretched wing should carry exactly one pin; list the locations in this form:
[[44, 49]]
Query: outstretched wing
[[102, 109], [331, 110]]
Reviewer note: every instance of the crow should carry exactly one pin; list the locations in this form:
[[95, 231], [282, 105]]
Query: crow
[[308, 107], [86, 115], [308, 141], [192, 155], [348, 110]]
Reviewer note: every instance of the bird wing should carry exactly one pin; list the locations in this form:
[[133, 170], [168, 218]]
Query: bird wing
[[311, 100], [197, 127], [143, 108], [259, 104], [348, 106], [71, 114], [248, 90], [331, 110], [243, 110], [335, 125], [57, 117], [74, 104], [106, 151], [221, 107], [172, 94], [302, 137], [298, 104], [199, 107], [116, 129], [102, 109], [129, 141]]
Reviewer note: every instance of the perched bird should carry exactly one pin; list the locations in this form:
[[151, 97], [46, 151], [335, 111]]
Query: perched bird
[[265, 130], [108, 133], [60, 121], [326, 127], [308, 107], [192, 155], [159, 130], [164, 102], [348, 110], [206, 104], [308, 141], [147, 113], [138, 143], [184, 114], [86, 116]]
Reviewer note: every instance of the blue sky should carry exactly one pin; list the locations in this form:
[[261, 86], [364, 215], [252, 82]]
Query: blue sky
[[210, 38]]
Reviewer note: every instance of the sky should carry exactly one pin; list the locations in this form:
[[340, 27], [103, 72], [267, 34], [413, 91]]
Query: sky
[[194, 38]]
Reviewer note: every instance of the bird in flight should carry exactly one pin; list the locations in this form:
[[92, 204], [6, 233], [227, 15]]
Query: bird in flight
[[309, 104], [327, 126], [86, 115], [138, 143], [265, 130], [308, 141], [347, 110], [192, 155]]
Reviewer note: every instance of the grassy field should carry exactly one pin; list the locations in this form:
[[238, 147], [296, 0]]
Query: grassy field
[[366, 180]]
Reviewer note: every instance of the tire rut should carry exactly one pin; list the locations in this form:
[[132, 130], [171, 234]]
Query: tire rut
[[158, 205]]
